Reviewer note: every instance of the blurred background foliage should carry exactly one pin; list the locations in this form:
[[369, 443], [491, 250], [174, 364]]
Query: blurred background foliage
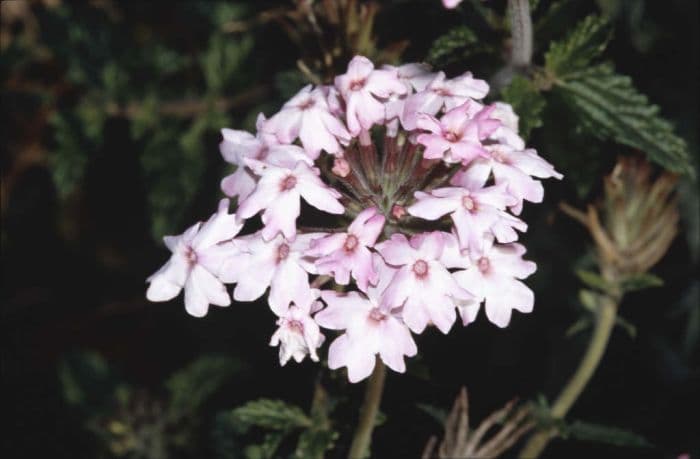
[[111, 114]]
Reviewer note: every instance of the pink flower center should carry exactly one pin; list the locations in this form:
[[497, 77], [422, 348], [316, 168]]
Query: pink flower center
[[191, 256], [451, 136], [288, 183], [420, 268], [356, 85], [351, 243], [295, 326], [282, 252], [443, 92], [307, 104], [500, 157], [262, 153], [483, 264], [376, 315], [469, 203]]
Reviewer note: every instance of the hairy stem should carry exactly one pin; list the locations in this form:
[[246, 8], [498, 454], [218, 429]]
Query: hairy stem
[[521, 31], [368, 413], [605, 321], [521, 44]]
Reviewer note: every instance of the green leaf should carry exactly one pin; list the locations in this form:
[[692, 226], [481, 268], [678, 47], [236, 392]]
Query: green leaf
[[527, 102], [313, 443], [87, 381], [641, 281], [627, 326], [174, 173], [586, 431], [267, 448], [610, 108], [593, 280], [455, 44], [223, 60], [578, 326], [586, 42], [436, 413], [192, 385], [269, 414]]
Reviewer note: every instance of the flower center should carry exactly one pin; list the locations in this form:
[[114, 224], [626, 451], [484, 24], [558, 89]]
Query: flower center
[[288, 183], [451, 136], [262, 154], [191, 256], [420, 268], [469, 203], [307, 104], [350, 243], [282, 252], [295, 326], [443, 92], [483, 264], [376, 315], [356, 85]]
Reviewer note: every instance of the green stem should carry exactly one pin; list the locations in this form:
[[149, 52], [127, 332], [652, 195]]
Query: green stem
[[368, 413], [605, 322]]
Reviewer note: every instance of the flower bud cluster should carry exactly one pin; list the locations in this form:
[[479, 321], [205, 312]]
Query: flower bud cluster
[[423, 183]]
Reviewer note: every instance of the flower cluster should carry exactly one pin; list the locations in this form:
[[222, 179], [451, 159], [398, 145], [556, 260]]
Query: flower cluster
[[423, 183]]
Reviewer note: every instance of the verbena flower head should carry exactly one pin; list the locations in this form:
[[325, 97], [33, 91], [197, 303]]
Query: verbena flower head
[[419, 180]]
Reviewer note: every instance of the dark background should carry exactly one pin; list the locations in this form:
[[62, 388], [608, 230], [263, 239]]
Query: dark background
[[84, 198]]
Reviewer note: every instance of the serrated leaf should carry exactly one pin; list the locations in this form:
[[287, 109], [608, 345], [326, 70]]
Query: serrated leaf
[[173, 172], [586, 42], [598, 433], [457, 43], [266, 449], [609, 107], [641, 281], [527, 102], [192, 385], [269, 414], [314, 443], [593, 280]]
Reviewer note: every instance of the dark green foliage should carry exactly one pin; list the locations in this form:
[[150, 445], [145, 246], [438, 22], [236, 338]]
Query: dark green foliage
[[189, 387], [268, 414], [527, 102], [585, 43], [606, 103], [456, 43], [609, 107], [586, 431]]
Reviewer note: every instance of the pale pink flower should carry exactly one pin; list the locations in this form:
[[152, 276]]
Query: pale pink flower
[[457, 136], [343, 254], [362, 86], [415, 77], [278, 264], [422, 285], [475, 212], [442, 93], [308, 117], [370, 329], [298, 334], [494, 276], [507, 132], [278, 193], [239, 146], [513, 168], [195, 265], [451, 4]]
